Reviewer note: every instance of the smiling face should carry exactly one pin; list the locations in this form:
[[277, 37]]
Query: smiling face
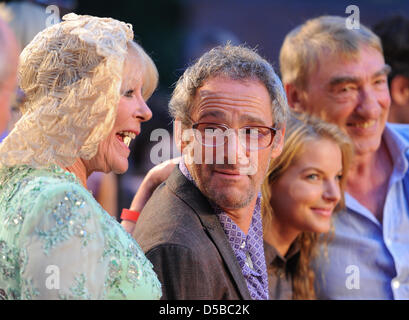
[[113, 151], [352, 93], [236, 104], [305, 195]]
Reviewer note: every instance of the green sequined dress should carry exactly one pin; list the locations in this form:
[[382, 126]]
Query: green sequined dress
[[56, 242]]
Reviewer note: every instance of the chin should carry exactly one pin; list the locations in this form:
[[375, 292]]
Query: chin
[[121, 169], [362, 148], [231, 200], [322, 228]]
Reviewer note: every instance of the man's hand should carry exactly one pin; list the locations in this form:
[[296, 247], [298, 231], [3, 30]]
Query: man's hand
[[128, 225]]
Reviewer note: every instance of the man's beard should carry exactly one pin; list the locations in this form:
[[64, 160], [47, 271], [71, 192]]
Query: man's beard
[[221, 196], [224, 200]]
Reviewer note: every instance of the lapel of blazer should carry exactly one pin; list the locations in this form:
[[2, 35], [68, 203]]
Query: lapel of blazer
[[191, 195]]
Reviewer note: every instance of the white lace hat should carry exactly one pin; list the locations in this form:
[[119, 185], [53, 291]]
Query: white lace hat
[[71, 74]]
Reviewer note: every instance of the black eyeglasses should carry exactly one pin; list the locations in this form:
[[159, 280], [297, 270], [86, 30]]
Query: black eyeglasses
[[252, 138]]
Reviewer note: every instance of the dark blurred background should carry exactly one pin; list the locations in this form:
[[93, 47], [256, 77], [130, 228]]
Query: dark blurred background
[[175, 32]]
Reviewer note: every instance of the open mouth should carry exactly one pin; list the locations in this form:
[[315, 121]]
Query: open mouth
[[126, 137], [363, 125]]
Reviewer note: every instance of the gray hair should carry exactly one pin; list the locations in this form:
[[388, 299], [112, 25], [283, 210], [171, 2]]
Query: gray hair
[[325, 35], [234, 62]]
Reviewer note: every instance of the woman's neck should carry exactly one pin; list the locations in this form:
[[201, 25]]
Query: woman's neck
[[80, 170], [280, 236]]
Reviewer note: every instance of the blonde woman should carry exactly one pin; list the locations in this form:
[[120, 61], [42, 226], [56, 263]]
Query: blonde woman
[[303, 188], [86, 84]]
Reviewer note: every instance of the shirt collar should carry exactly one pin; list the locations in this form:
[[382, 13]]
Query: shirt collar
[[397, 147], [272, 254], [185, 171]]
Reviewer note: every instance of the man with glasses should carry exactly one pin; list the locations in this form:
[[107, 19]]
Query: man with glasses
[[202, 227]]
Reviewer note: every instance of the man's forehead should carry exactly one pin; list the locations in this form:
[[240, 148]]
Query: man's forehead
[[215, 83], [228, 88], [238, 94], [367, 61], [224, 114], [225, 105], [220, 93]]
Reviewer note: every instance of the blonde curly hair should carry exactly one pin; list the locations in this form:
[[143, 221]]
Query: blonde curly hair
[[72, 74]]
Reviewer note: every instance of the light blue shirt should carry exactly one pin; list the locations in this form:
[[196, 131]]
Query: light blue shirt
[[367, 259]]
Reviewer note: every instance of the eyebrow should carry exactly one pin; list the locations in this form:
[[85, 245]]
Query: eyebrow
[[311, 169], [341, 171], [385, 70], [222, 116], [250, 118]]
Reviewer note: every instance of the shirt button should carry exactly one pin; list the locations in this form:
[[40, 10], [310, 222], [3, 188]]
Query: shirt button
[[243, 244], [395, 284], [388, 241]]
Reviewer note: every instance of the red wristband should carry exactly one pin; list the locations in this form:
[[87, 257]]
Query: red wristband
[[130, 215]]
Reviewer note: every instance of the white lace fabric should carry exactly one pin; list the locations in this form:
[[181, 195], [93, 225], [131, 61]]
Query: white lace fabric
[[71, 74]]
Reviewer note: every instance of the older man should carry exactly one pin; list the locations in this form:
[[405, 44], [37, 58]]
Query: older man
[[8, 72], [202, 228], [340, 75]]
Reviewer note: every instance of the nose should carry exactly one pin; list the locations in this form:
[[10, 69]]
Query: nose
[[332, 191], [142, 111], [235, 152], [369, 106]]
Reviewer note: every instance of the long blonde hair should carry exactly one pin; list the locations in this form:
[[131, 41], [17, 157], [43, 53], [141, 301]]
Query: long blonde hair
[[300, 130]]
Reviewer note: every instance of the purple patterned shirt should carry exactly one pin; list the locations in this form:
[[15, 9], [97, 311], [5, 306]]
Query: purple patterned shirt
[[248, 249]]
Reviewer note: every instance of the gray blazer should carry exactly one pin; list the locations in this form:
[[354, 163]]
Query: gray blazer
[[183, 238]]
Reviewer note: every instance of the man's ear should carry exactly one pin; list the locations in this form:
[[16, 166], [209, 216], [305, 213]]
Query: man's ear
[[177, 134], [294, 97], [400, 91], [278, 143]]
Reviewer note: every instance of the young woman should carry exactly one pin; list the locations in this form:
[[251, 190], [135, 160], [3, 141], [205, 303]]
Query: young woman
[[302, 189]]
